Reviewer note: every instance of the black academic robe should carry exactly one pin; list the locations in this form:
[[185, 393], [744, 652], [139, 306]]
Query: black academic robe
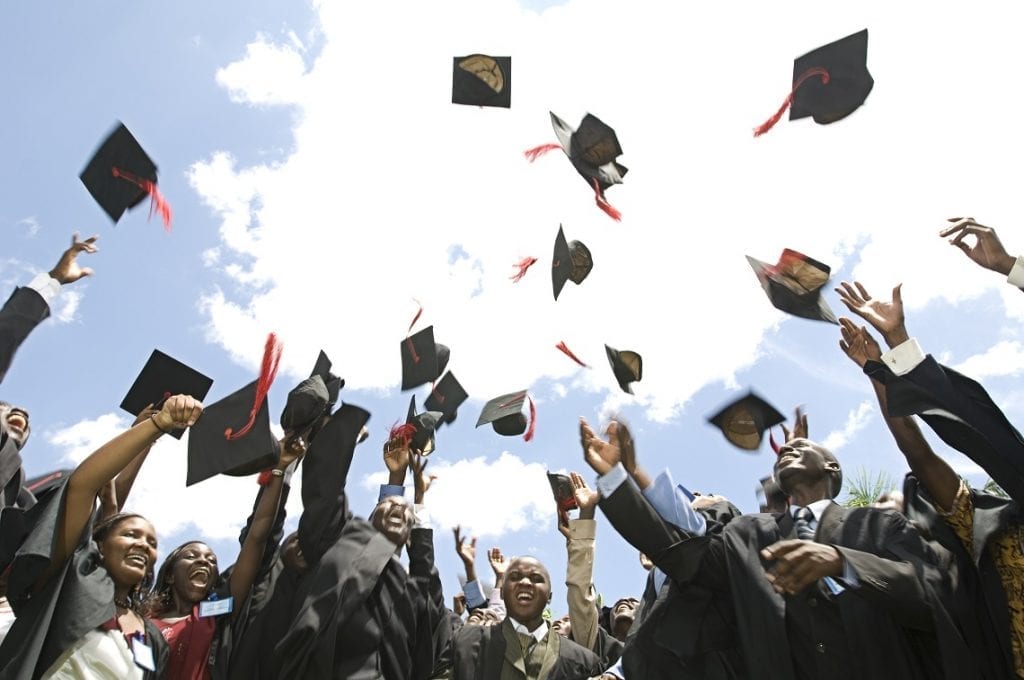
[[22, 312], [75, 600], [685, 632], [481, 653], [893, 625]]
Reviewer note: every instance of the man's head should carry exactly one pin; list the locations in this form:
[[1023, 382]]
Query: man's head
[[14, 424], [803, 463], [483, 616], [622, 615], [393, 517], [526, 591], [291, 554], [562, 626]]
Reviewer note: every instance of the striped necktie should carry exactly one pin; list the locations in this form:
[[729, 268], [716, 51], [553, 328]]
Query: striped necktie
[[802, 519]]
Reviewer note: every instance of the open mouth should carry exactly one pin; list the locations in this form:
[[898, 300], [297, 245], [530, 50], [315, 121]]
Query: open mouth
[[17, 421], [137, 560], [524, 597], [200, 576]]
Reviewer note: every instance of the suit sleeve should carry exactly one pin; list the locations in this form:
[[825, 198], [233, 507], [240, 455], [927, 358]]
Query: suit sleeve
[[22, 312]]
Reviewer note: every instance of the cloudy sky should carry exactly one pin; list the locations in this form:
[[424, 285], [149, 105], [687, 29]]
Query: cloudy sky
[[323, 184]]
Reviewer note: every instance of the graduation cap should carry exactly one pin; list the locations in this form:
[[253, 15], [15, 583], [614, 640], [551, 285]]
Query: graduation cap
[[505, 414], [423, 425], [627, 366], [312, 398], [446, 397], [212, 451], [423, 360], [592, 149], [120, 175], [163, 376], [829, 83], [744, 421], [481, 80], [794, 284], [333, 383], [562, 490], [571, 261]]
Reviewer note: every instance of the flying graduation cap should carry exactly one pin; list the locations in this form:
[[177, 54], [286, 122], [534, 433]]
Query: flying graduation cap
[[592, 149], [562, 490], [571, 261], [627, 366], [423, 360], [481, 80], [794, 284], [505, 414], [829, 83], [419, 428], [744, 421], [120, 175], [163, 376], [445, 397], [312, 398]]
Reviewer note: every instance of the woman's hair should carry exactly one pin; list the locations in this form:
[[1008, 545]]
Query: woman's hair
[[161, 598], [140, 593]]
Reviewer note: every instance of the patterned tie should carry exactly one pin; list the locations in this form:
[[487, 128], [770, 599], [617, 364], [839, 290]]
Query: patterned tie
[[802, 519], [526, 641]]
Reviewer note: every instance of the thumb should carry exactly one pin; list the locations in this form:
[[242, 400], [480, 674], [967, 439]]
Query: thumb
[[897, 295], [86, 271]]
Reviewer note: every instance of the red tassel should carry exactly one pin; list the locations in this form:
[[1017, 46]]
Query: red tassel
[[538, 151], [408, 340], [770, 123], [523, 265], [264, 478], [603, 203], [568, 352], [268, 371], [773, 443], [402, 433], [419, 312], [157, 202], [533, 420]]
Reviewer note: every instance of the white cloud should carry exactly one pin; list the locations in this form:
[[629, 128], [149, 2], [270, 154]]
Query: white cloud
[[855, 422], [387, 179], [517, 495], [31, 226], [69, 301], [1004, 358]]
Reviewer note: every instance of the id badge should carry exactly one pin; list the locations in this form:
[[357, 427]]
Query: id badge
[[216, 607], [143, 654]]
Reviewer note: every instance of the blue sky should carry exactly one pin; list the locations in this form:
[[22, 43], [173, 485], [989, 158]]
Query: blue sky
[[321, 181]]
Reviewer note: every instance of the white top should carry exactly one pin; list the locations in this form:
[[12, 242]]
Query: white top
[[6, 617], [99, 655]]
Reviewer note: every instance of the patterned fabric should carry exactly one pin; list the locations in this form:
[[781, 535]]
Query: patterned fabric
[[802, 519], [1008, 555], [533, 654]]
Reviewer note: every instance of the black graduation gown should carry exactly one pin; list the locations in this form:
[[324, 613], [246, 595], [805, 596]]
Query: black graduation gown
[[891, 625], [479, 654], [22, 312], [77, 599]]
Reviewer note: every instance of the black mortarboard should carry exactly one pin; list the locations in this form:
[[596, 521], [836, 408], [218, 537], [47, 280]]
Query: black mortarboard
[[161, 377], [794, 285], [571, 261], [120, 175], [425, 424], [744, 421], [561, 489], [505, 414], [333, 383], [446, 397], [211, 452], [307, 403], [627, 366], [423, 360], [480, 80]]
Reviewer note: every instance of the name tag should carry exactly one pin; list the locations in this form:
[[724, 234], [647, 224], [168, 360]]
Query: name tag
[[143, 654], [216, 607]]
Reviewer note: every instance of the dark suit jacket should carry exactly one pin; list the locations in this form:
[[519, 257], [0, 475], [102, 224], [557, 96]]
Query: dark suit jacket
[[480, 653], [892, 623], [22, 312]]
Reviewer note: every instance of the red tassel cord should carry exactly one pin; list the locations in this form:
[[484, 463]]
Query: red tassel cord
[[569, 353], [408, 340], [157, 202], [268, 371], [771, 441], [264, 478], [603, 203], [533, 420], [523, 265], [770, 123], [538, 151], [402, 433]]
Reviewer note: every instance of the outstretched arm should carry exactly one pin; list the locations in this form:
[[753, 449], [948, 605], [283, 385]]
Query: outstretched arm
[[124, 482], [987, 252], [580, 535]]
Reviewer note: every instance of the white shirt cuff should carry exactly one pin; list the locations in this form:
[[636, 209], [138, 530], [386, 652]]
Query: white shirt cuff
[[422, 516], [46, 286], [611, 480], [904, 357], [1016, 276]]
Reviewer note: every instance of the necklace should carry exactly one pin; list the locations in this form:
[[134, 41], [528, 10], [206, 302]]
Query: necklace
[[123, 604]]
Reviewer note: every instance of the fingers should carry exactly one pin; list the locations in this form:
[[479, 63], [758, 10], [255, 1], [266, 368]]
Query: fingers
[[458, 538], [862, 290], [780, 549], [897, 294], [577, 480], [182, 410]]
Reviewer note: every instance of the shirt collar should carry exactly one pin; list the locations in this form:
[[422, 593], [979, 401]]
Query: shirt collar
[[538, 634], [817, 508]]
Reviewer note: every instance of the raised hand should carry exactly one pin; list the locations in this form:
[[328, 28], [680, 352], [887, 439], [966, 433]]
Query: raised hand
[[145, 415], [499, 565], [800, 429], [886, 317], [563, 523], [466, 552], [586, 498], [292, 448], [601, 455], [67, 269], [396, 458], [421, 481], [987, 251], [798, 564], [178, 412], [857, 343]]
